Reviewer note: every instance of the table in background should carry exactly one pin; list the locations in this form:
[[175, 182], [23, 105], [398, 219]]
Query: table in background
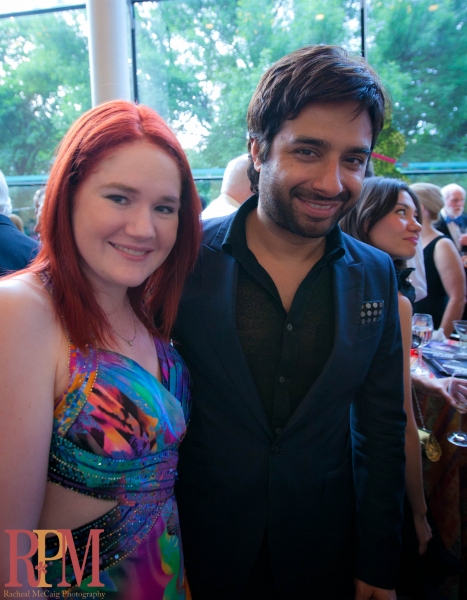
[[446, 487]]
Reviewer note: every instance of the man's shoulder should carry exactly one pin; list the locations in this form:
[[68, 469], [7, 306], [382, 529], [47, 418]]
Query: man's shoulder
[[13, 233], [361, 252], [216, 229], [4, 220], [216, 226], [16, 248]]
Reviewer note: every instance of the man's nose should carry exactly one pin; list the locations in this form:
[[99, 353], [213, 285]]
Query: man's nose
[[328, 181]]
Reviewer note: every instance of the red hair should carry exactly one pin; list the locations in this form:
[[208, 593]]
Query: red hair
[[88, 141]]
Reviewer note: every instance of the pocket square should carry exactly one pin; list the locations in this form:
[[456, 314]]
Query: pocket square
[[371, 311]]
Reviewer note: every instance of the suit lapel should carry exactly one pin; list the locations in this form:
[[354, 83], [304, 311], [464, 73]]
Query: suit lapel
[[348, 299], [218, 284]]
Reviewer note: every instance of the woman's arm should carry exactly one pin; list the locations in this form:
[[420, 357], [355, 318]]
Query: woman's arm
[[451, 271], [438, 388], [413, 469], [27, 373]]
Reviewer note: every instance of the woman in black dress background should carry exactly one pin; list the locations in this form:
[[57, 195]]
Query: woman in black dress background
[[444, 271]]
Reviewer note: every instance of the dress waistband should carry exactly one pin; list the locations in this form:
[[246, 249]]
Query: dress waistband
[[146, 479]]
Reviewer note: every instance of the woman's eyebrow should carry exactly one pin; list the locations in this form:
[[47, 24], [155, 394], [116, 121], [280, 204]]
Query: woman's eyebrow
[[121, 186]]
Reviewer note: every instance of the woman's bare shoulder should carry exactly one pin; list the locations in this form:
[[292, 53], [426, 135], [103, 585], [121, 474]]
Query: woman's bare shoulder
[[446, 243], [25, 288], [404, 304], [446, 254], [26, 304]]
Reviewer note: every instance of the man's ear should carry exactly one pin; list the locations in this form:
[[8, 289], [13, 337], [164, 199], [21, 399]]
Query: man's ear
[[254, 151]]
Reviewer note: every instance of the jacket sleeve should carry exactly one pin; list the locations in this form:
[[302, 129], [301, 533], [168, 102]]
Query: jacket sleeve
[[378, 432]]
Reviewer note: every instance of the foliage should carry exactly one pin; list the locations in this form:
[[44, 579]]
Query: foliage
[[199, 62], [419, 49], [44, 86], [391, 143], [222, 49]]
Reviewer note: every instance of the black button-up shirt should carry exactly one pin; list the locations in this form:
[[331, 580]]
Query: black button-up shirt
[[285, 351]]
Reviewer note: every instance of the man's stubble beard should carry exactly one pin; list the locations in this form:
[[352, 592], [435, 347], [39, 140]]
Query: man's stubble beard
[[279, 209]]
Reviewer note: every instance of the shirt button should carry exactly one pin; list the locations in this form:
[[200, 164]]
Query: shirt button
[[289, 327], [281, 379], [278, 430], [276, 450]]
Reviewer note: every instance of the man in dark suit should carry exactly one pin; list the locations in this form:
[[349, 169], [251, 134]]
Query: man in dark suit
[[291, 475], [452, 221], [16, 249]]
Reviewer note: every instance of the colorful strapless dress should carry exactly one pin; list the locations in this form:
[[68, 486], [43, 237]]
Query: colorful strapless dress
[[115, 437]]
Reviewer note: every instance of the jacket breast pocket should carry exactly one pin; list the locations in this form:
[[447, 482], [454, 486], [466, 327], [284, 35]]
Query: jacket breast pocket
[[370, 318]]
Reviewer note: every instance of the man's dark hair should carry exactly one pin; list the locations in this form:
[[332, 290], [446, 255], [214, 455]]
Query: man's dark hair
[[306, 76]]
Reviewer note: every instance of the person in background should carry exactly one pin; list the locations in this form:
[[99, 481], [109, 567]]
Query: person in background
[[445, 274], [17, 222], [16, 249], [90, 382], [387, 217], [290, 330], [38, 201], [5, 200], [418, 275], [452, 222], [234, 191]]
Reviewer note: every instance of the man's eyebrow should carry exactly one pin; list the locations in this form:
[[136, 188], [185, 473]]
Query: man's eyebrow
[[304, 139], [317, 142]]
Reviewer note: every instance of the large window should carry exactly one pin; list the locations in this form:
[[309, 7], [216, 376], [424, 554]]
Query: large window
[[198, 61], [419, 48], [44, 87]]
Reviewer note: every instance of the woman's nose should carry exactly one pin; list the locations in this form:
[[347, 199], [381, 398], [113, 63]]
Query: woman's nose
[[140, 224]]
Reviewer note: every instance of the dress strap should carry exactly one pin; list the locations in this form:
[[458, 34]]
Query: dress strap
[[175, 375], [83, 372], [433, 243], [83, 368]]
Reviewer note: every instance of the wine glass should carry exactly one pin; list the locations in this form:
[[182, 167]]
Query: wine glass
[[422, 327], [458, 390]]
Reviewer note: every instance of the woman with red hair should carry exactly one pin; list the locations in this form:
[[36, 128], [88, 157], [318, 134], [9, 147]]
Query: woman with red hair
[[94, 398]]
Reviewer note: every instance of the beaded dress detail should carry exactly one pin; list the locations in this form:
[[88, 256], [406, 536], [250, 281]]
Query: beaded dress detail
[[115, 437]]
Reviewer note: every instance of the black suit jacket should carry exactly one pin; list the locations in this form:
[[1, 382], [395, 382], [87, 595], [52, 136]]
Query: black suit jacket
[[442, 226], [340, 455], [16, 249]]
